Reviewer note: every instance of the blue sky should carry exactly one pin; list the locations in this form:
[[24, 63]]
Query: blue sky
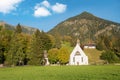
[[46, 14]]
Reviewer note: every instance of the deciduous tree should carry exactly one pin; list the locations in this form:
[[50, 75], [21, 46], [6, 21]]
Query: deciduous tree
[[53, 55], [63, 55]]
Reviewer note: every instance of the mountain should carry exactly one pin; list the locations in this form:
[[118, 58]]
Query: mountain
[[87, 27], [6, 26], [25, 29], [28, 30]]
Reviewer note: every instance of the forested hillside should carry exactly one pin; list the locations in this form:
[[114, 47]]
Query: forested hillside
[[86, 27]]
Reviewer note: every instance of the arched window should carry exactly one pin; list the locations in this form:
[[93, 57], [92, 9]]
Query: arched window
[[77, 53]]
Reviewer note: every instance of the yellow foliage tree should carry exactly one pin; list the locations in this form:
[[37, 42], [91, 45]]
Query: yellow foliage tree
[[63, 55]]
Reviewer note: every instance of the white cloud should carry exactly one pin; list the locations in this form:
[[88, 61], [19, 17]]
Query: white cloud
[[46, 3], [45, 9], [59, 8], [6, 6], [41, 11]]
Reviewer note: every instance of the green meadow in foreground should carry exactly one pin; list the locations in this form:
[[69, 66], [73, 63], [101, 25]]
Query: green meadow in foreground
[[110, 72]]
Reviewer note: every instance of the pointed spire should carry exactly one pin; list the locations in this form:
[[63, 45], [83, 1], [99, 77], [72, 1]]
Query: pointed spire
[[78, 41]]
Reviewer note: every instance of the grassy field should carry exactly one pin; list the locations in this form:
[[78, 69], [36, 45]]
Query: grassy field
[[110, 72], [93, 56]]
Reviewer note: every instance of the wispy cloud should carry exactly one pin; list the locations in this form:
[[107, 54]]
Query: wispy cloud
[[6, 6], [45, 8]]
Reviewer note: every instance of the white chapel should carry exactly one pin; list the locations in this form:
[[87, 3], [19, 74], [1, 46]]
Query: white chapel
[[78, 57]]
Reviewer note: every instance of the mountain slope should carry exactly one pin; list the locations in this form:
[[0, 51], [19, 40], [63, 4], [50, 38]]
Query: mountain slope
[[6, 26], [86, 27], [25, 29]]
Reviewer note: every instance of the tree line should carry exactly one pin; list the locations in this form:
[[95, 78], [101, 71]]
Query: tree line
[[111, 47], [18, 48]]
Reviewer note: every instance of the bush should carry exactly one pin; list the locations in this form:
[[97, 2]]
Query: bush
[[109, 56]]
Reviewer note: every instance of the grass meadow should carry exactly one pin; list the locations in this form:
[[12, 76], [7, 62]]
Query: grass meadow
[[106, 72]]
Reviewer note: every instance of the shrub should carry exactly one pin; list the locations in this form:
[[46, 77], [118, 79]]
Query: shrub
[[109, 56]]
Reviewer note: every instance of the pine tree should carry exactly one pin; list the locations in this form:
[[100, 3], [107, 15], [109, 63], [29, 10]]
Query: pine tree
[[18, 29], [40, 42], [46, 42], [36, 54]]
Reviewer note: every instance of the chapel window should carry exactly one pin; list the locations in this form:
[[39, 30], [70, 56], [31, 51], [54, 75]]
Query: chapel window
[[77, 53]]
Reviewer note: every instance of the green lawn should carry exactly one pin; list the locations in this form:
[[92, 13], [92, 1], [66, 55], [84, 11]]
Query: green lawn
[[93, 56], [110, 72]]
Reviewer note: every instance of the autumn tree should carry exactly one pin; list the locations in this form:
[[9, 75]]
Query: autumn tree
[[63, 55], [52, 39], [58, 40], [5, 37], [53, 55]]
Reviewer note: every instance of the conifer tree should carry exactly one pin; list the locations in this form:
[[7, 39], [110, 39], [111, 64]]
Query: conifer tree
[[18, 29], [40, 42], [36, 53]]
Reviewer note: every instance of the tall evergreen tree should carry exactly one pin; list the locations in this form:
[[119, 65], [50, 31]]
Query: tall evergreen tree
[[46, 42], [40, 42], [18, 29], [36, 54]]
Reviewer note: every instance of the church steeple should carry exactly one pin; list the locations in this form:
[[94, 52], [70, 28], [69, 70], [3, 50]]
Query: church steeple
[[78, 41]]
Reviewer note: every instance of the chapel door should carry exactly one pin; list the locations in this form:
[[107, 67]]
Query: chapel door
[[77, 60]]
